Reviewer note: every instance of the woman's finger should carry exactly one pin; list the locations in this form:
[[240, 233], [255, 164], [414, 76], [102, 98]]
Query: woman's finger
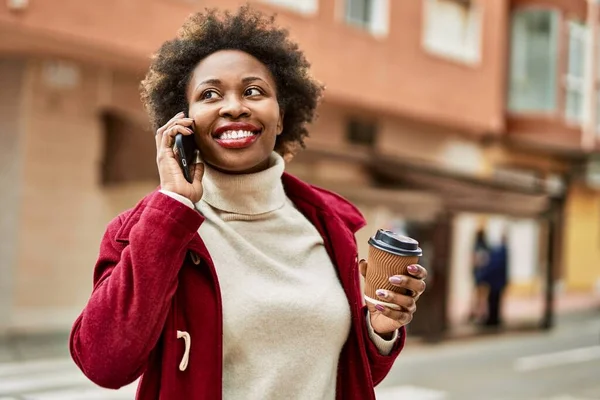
[[362, 267], [164, 150], [198, 174], [401, 317], [159, 132], [414, 285], [169, 123], [158, 139], [168, 139], [176, 120], [407, 303], [417, 271], [389, 312], [169, 134], [181, 121]]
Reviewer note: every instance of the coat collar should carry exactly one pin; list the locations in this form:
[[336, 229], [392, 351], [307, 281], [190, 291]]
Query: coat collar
[[323, 201]]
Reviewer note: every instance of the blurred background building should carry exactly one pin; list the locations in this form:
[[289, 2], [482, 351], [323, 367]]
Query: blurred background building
[[440, 117]]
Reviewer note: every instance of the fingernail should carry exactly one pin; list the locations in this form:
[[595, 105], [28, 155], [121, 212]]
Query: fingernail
[[396, 280], [379, 307], [413, 269], [189, 130], [381, 293]]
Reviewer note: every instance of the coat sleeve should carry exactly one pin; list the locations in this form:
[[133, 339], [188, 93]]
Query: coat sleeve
[[381, 364], [134, 283]]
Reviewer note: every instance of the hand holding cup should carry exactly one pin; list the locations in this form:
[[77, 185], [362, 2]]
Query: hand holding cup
[[393, 280]]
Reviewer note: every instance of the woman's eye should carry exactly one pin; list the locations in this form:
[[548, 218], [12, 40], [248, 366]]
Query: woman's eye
[[252, 92], [209, 95]]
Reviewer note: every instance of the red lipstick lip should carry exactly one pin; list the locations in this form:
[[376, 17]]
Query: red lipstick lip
[[237, 143], [236, 126]]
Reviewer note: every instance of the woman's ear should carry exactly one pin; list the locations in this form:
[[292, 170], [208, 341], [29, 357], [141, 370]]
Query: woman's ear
[[280, 123]]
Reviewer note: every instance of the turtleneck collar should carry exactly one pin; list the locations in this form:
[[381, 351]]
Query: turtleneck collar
[[247, 194]]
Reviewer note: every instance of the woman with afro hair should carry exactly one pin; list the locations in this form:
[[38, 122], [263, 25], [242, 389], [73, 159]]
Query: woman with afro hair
[[244, 282]]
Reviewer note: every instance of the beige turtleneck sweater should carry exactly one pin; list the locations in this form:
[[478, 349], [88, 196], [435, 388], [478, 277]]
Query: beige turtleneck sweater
[[285, 314]]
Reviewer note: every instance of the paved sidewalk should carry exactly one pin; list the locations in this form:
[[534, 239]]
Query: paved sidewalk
[[53, 379], [523, 308], [525, 314], [34, 347]]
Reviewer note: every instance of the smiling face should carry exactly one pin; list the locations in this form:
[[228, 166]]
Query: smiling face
[[233, 100]]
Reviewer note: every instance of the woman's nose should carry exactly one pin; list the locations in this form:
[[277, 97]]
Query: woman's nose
[[234, 107]]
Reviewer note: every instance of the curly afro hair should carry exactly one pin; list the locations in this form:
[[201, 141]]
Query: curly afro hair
[[163, 90]]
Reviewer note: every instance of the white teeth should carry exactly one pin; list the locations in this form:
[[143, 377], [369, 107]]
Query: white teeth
[[231, 135]]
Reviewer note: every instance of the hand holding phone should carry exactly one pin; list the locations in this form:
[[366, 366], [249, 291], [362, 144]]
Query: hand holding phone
[[185, 150], [176, 158]]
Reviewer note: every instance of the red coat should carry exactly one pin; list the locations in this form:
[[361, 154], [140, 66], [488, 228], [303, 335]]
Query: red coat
[[154, 276]]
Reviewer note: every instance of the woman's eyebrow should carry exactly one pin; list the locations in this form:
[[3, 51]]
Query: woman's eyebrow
[[252, 78], [249, 79], [211, 81]]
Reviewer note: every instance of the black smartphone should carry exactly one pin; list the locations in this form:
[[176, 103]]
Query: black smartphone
[[185, 148]]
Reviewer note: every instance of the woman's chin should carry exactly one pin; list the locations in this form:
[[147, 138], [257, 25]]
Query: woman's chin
[[240, 166]]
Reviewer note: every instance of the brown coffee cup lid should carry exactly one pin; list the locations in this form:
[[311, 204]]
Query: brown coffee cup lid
[[396, 244]]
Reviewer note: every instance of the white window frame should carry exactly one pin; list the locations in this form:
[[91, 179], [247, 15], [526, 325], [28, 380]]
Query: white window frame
[[573, 83], [352, 21], [379, 23], [471, 52], [308, 7], [518, 71]]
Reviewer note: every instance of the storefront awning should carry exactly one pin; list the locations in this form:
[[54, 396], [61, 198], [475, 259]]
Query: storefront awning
[[401, 183]]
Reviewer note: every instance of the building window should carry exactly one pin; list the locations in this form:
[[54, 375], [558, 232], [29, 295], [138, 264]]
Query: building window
[[372, 15], [361, 132], [452, 29], [129, 152], [359, 12], [301, 6], [574, 80], [534, 48]]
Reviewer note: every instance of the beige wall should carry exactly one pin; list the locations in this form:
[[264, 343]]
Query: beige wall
[[397, 136], [422, 143], [582, 240], [328, 132], [64, 210], [11, 161]]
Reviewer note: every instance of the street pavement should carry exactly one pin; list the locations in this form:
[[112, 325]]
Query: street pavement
[[563, 364]]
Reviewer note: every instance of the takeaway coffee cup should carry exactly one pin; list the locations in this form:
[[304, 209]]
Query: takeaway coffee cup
[[389, 254]]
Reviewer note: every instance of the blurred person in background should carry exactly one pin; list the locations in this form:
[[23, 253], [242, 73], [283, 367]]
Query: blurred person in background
[[495, 276], [242, 284], [480, 261]]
